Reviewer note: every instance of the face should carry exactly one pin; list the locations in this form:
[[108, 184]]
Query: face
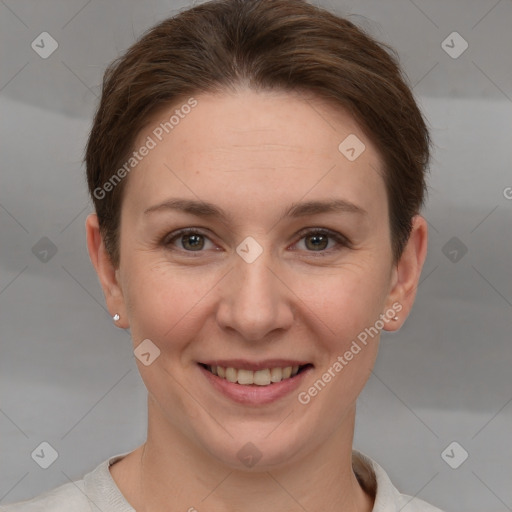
[[285, 262]]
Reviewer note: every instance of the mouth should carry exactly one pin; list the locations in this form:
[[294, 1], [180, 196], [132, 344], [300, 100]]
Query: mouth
[[260, 377]]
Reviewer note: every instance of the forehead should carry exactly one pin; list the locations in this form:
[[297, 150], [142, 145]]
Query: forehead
[[261, 145]]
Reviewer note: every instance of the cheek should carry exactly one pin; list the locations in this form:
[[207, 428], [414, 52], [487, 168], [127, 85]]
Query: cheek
[[166, 303], [348, 304], [346, 299]]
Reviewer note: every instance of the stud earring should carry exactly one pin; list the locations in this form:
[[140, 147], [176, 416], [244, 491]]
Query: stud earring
[[395, 319], [116, 317]]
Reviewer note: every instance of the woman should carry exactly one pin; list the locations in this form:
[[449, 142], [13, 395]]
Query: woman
[[257, 170]]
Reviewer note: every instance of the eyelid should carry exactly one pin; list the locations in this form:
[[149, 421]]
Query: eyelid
[[175, 235], [339, 238], [320, 230]]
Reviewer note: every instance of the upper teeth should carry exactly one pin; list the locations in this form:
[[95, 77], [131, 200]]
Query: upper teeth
[[259, 377]]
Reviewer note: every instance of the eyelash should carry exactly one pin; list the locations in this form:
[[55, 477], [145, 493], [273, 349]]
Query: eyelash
[[341, 240]]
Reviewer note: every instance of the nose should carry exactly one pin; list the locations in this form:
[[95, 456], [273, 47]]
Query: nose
[[255, 300]]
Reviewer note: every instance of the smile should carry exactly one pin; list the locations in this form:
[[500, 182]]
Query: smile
[[263, 377], [255, 383]]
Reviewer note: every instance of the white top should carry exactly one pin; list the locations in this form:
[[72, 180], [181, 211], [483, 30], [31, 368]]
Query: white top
[[98, 491]]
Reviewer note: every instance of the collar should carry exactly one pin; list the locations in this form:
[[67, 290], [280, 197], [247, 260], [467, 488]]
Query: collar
[[102, 490]]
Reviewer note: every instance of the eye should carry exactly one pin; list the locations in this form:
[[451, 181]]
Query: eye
[[317, 240], [190, 240]]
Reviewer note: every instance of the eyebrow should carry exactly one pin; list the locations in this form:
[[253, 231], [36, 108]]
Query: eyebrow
[[205, 209]]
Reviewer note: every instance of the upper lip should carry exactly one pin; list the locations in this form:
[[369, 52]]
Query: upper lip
[[244, 364]]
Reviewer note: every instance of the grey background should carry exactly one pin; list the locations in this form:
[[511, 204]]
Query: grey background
[[68, 376]]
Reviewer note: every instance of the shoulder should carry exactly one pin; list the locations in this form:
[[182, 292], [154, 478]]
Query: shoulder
[[411, 504], [377, 483], [70, 496], [96, 490]]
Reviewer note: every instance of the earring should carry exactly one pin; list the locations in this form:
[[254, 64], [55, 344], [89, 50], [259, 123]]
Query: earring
[[395, 319], [116, 317]]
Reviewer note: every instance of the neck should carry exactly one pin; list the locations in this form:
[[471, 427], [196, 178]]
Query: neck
[[170, 471]]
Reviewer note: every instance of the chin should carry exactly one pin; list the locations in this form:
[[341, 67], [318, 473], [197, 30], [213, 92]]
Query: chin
[[254, 447]]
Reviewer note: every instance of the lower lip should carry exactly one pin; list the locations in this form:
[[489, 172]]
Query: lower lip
[[253, 394]]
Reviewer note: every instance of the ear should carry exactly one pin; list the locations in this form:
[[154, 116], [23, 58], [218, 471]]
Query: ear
[[107, 274], [406, 273]]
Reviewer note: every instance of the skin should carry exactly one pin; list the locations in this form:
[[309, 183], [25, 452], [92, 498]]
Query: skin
[[253, 154]]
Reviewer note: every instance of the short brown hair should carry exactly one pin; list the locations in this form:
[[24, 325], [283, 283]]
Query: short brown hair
[[288, 45]]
